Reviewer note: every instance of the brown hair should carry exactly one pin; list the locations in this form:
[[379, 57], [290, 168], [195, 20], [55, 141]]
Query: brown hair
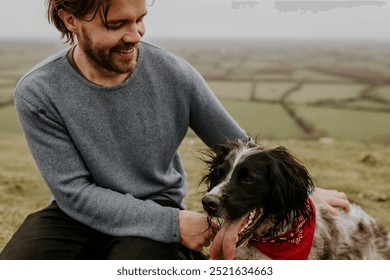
[[79, 8]]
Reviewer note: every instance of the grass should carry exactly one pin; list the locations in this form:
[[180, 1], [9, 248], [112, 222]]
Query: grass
[[22, 189], [8, 120]]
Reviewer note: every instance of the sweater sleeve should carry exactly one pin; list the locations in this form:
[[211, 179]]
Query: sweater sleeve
[[63, 168], [209, 119]]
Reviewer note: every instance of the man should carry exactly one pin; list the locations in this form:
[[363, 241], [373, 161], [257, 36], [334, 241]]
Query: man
[[103, 121]]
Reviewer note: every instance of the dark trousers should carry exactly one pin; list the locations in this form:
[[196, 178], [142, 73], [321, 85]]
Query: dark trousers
[[50, 234]]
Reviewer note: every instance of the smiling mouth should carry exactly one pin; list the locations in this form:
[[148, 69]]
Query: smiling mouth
[[235, 232], [252, 221], [126, 51]]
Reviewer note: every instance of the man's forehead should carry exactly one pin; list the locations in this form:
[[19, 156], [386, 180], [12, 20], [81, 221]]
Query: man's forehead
[[129, 7]]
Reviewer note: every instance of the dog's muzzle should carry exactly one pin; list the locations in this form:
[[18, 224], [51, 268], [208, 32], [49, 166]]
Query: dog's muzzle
[[211, 204]]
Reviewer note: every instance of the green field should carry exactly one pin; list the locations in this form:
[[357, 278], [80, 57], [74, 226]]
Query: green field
[[309, 75], [231, 90], [344, 124], [312, 93], [273, 90], [383, 92], [8, 120], [367, 105], [267, 120]]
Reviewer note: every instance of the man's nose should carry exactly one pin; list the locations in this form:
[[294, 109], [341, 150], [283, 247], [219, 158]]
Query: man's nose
[[134, 34]]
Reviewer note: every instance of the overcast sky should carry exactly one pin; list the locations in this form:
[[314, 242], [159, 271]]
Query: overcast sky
[[26, 19]]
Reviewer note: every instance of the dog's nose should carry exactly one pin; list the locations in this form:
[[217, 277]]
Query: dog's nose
[[211, 202]]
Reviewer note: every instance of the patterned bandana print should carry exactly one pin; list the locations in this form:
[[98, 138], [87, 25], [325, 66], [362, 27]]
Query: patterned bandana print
[[293, 245]]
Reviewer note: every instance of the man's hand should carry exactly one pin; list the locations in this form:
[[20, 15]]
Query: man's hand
[[332, 199], [195, 231]]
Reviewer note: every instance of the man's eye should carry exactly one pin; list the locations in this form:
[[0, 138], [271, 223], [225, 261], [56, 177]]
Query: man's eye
[[115, 25]]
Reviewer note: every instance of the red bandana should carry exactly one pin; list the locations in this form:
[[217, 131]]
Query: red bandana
[[293, 245]]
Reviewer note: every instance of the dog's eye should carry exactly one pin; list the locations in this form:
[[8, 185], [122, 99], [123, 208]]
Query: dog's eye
[[247, 180]]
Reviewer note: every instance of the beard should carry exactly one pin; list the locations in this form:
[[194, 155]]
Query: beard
[[111, 59]]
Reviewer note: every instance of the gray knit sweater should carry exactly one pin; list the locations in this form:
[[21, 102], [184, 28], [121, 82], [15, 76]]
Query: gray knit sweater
[[107, 152]]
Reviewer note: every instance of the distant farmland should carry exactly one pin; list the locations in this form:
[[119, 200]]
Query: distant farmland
[[339, 90]]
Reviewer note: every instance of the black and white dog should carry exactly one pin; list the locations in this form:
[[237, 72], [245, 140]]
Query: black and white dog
[[262, 195]]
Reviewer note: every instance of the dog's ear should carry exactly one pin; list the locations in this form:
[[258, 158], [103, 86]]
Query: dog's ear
[[214, 160], [221, 150], [291, 185]]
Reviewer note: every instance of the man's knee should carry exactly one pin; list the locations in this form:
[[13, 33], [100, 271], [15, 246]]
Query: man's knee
[[138, 248], [46, 234]]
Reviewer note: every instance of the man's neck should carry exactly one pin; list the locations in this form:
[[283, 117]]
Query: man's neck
[[92, 72]]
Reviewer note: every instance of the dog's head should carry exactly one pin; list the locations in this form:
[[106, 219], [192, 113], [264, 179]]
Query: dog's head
[[243, 177]]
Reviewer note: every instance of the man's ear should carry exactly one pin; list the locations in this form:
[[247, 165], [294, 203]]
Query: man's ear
[[69, 20]]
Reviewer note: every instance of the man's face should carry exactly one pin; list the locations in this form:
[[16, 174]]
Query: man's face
[[114, 50]]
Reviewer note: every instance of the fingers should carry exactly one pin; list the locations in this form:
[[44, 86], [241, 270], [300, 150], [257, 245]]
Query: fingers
[[341, 202], [196, 231], [332, 199], [337, 194], [339, 199], [346, 205], [333, 211], [214, 228], [204, 239], [210, 232]]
